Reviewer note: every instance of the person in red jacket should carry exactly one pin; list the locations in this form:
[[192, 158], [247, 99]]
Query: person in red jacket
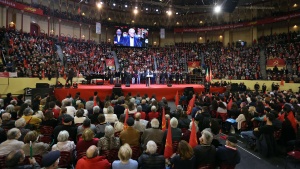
[[92, 160]]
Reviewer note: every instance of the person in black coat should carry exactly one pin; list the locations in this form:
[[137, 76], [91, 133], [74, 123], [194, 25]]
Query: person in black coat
[[119, 109], [205, 153], [203, 117], [71, 74], [150, 159], [228, 154], [67, 125]]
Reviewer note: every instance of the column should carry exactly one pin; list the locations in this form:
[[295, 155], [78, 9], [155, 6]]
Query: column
[[7, 17], [59, 29], [80, 32], [226, 37], [22, 16], [89, 32], [254, 34], [48, 25]]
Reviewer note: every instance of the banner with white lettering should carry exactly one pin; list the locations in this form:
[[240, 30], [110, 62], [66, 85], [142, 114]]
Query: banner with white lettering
[[98, 28], [162, 33], [13, 74]]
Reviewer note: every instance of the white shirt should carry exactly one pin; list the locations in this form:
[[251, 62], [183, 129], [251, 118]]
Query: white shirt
[[131, 41], [119, 38], [71, 110]]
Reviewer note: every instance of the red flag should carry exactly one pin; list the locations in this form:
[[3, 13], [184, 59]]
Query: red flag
[[168, 147], [25, 63], [176, 99], [193, 137], [78, 10], [282, 82], [125, 122], [65, 76], [95, 101], [210, 73], [43, 74], [229, 105], [207, 75], [163, 121], [191, 105]]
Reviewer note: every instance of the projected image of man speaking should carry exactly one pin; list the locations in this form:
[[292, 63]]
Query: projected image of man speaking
[[132, 40]]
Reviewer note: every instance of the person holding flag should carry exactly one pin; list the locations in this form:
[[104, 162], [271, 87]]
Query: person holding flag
[[185, 157]]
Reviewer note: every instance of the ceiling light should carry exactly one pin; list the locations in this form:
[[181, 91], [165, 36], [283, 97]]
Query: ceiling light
[[169, 12], [146, 9], [132, 21], [176, 13], [201, 21], [109, 19], [217, 9], [295, 5], [99, 5], [156, 10], [126, 6], [135, 11], [177, 23], [114, 4]]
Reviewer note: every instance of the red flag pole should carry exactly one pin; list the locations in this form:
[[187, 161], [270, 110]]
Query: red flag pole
[[193, 137], [163, 121], [168, 147]]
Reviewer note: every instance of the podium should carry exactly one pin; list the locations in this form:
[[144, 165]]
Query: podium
[[148, 77]]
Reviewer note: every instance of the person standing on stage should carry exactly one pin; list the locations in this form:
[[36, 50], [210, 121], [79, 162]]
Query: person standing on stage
[[207, 87], [157, 77], [127, 77], [264, 88], [148, 73], [123, 77], [138, 79], [70, 75], [117, 76], [111, 76]]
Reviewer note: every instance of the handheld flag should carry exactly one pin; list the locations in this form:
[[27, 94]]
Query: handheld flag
[[163, 121], [193, 137], [168, 147], [191, 105], [229, 104], [177, 99], [95, 101], [125, 122]]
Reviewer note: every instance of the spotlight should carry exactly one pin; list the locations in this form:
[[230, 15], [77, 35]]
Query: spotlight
[[169, 12], [114, 4], [135, 11], [146, 9], [126, 6], [217, 9], [156, 10], [99, 5]]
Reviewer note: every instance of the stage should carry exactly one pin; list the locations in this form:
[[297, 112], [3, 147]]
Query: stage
[[160, 91]]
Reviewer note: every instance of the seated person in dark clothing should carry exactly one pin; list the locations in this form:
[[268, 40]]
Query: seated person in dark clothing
[[49, 119], [268, 129], [184, 121], [7, 123], [203, 117], [187, 133], [205, 153], [176, 132], [228, 154], [3, 136], [94, 116], [67, 125], [292, 144], [150, 159], [184, 157]]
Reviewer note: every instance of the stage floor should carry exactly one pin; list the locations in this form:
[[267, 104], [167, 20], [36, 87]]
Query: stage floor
[[159, 90]]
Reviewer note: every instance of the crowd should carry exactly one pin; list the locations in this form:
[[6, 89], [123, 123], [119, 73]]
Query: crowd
[[97, 132], [35, 56]]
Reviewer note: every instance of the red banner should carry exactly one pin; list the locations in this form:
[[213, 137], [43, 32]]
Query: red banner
[[4, 74], [110, 62], [275, 62], [194, 64], [23, 7], [239, 25]]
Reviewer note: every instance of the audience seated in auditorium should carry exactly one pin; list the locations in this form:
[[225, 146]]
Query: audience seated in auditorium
[[63, 142], [110, 117], [38, 148], [86, 141], [67, 125], [15, 159], [228, 155], [51, 159], [86, 124], [154, 133], [139, 123], [184, 158]]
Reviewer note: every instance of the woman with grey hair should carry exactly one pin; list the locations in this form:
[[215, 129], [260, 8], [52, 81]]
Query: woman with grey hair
[[140, 110], [110, 117], [150, 159], [153, 114], [63, 143], [30, 119], [11, 110], [109, 141], [20, 124]]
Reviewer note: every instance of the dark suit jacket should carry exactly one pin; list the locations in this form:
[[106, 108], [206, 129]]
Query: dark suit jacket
[[204, 154], [228, 156], [71, 129], [130, 136], [120, 42], [118, 110], [137, 43]]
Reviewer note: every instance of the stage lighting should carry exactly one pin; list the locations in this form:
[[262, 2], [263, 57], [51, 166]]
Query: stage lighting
[[135, 11], [217, 9], [169, 12], [99, 5], [114, 4]]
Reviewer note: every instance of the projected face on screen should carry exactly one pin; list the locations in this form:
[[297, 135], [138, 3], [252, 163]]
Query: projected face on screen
[[131, 37]]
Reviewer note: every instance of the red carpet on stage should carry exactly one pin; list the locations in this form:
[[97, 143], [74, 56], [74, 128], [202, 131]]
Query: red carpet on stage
[[160, 91]]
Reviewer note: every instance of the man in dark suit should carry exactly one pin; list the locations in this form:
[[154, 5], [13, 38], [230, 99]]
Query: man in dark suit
[[119, 109], [118, 39], [131, 40], [148, 73], [71, 74], [67, 125]]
